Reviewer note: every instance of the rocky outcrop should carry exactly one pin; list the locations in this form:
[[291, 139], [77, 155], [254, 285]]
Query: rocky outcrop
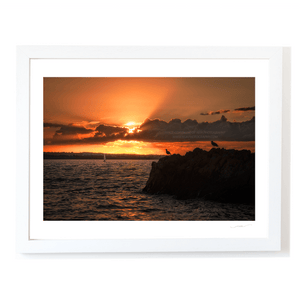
[[219, 175]]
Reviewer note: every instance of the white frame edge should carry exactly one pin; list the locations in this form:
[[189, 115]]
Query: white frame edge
[[25, 245]]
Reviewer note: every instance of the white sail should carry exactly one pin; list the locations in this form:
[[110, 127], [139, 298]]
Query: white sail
[[104, 159]]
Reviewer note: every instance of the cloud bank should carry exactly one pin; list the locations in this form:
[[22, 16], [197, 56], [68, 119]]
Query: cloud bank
[[218, 112], [245, 108], [156, 131], [224, 111]]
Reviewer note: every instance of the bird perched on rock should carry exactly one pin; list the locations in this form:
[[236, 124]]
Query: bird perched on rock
[[214, 144], [167, 151]]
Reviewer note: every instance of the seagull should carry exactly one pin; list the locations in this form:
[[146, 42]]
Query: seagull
[[167, 151], [214, 144]]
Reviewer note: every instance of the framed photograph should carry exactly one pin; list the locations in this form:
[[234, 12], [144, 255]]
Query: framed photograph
[[148, 149]]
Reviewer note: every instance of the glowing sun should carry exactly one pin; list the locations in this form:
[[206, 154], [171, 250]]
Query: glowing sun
[[130, 124]]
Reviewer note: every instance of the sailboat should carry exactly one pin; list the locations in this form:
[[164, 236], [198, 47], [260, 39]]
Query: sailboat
[[104, 158]]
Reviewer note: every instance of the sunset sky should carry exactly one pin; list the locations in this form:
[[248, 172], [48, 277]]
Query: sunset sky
[[148, 115]]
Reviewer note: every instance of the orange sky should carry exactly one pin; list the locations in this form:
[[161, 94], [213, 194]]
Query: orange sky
[[105, 114]]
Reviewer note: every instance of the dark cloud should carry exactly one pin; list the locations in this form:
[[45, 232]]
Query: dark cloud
[[51, 125], [72, 130], [191, 130], [245, 108], [224, 111], [189, 123], [109, 130], [161, 131], [153, 124], [218, 112], [66, 134]]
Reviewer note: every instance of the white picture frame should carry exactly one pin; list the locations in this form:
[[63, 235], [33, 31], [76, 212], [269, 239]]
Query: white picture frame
[[272, 240]]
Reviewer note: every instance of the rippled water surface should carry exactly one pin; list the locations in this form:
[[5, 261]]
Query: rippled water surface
[[112, 190]]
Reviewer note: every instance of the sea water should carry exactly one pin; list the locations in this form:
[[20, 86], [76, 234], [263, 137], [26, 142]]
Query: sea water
[[112, 190]]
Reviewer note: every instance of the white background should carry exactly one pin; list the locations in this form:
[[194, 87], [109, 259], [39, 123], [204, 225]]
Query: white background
[[120, 23], [153, 68]]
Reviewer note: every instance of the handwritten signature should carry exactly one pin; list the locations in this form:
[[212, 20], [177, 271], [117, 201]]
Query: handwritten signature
[[236, 226]]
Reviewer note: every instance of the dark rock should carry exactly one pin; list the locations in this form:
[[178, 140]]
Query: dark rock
[[219, 175]]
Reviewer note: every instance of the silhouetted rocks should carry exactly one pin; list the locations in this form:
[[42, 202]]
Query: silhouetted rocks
[[219, 174]]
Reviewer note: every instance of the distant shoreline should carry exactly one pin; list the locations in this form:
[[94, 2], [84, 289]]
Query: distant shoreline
[[100, 156], [115, 158]]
